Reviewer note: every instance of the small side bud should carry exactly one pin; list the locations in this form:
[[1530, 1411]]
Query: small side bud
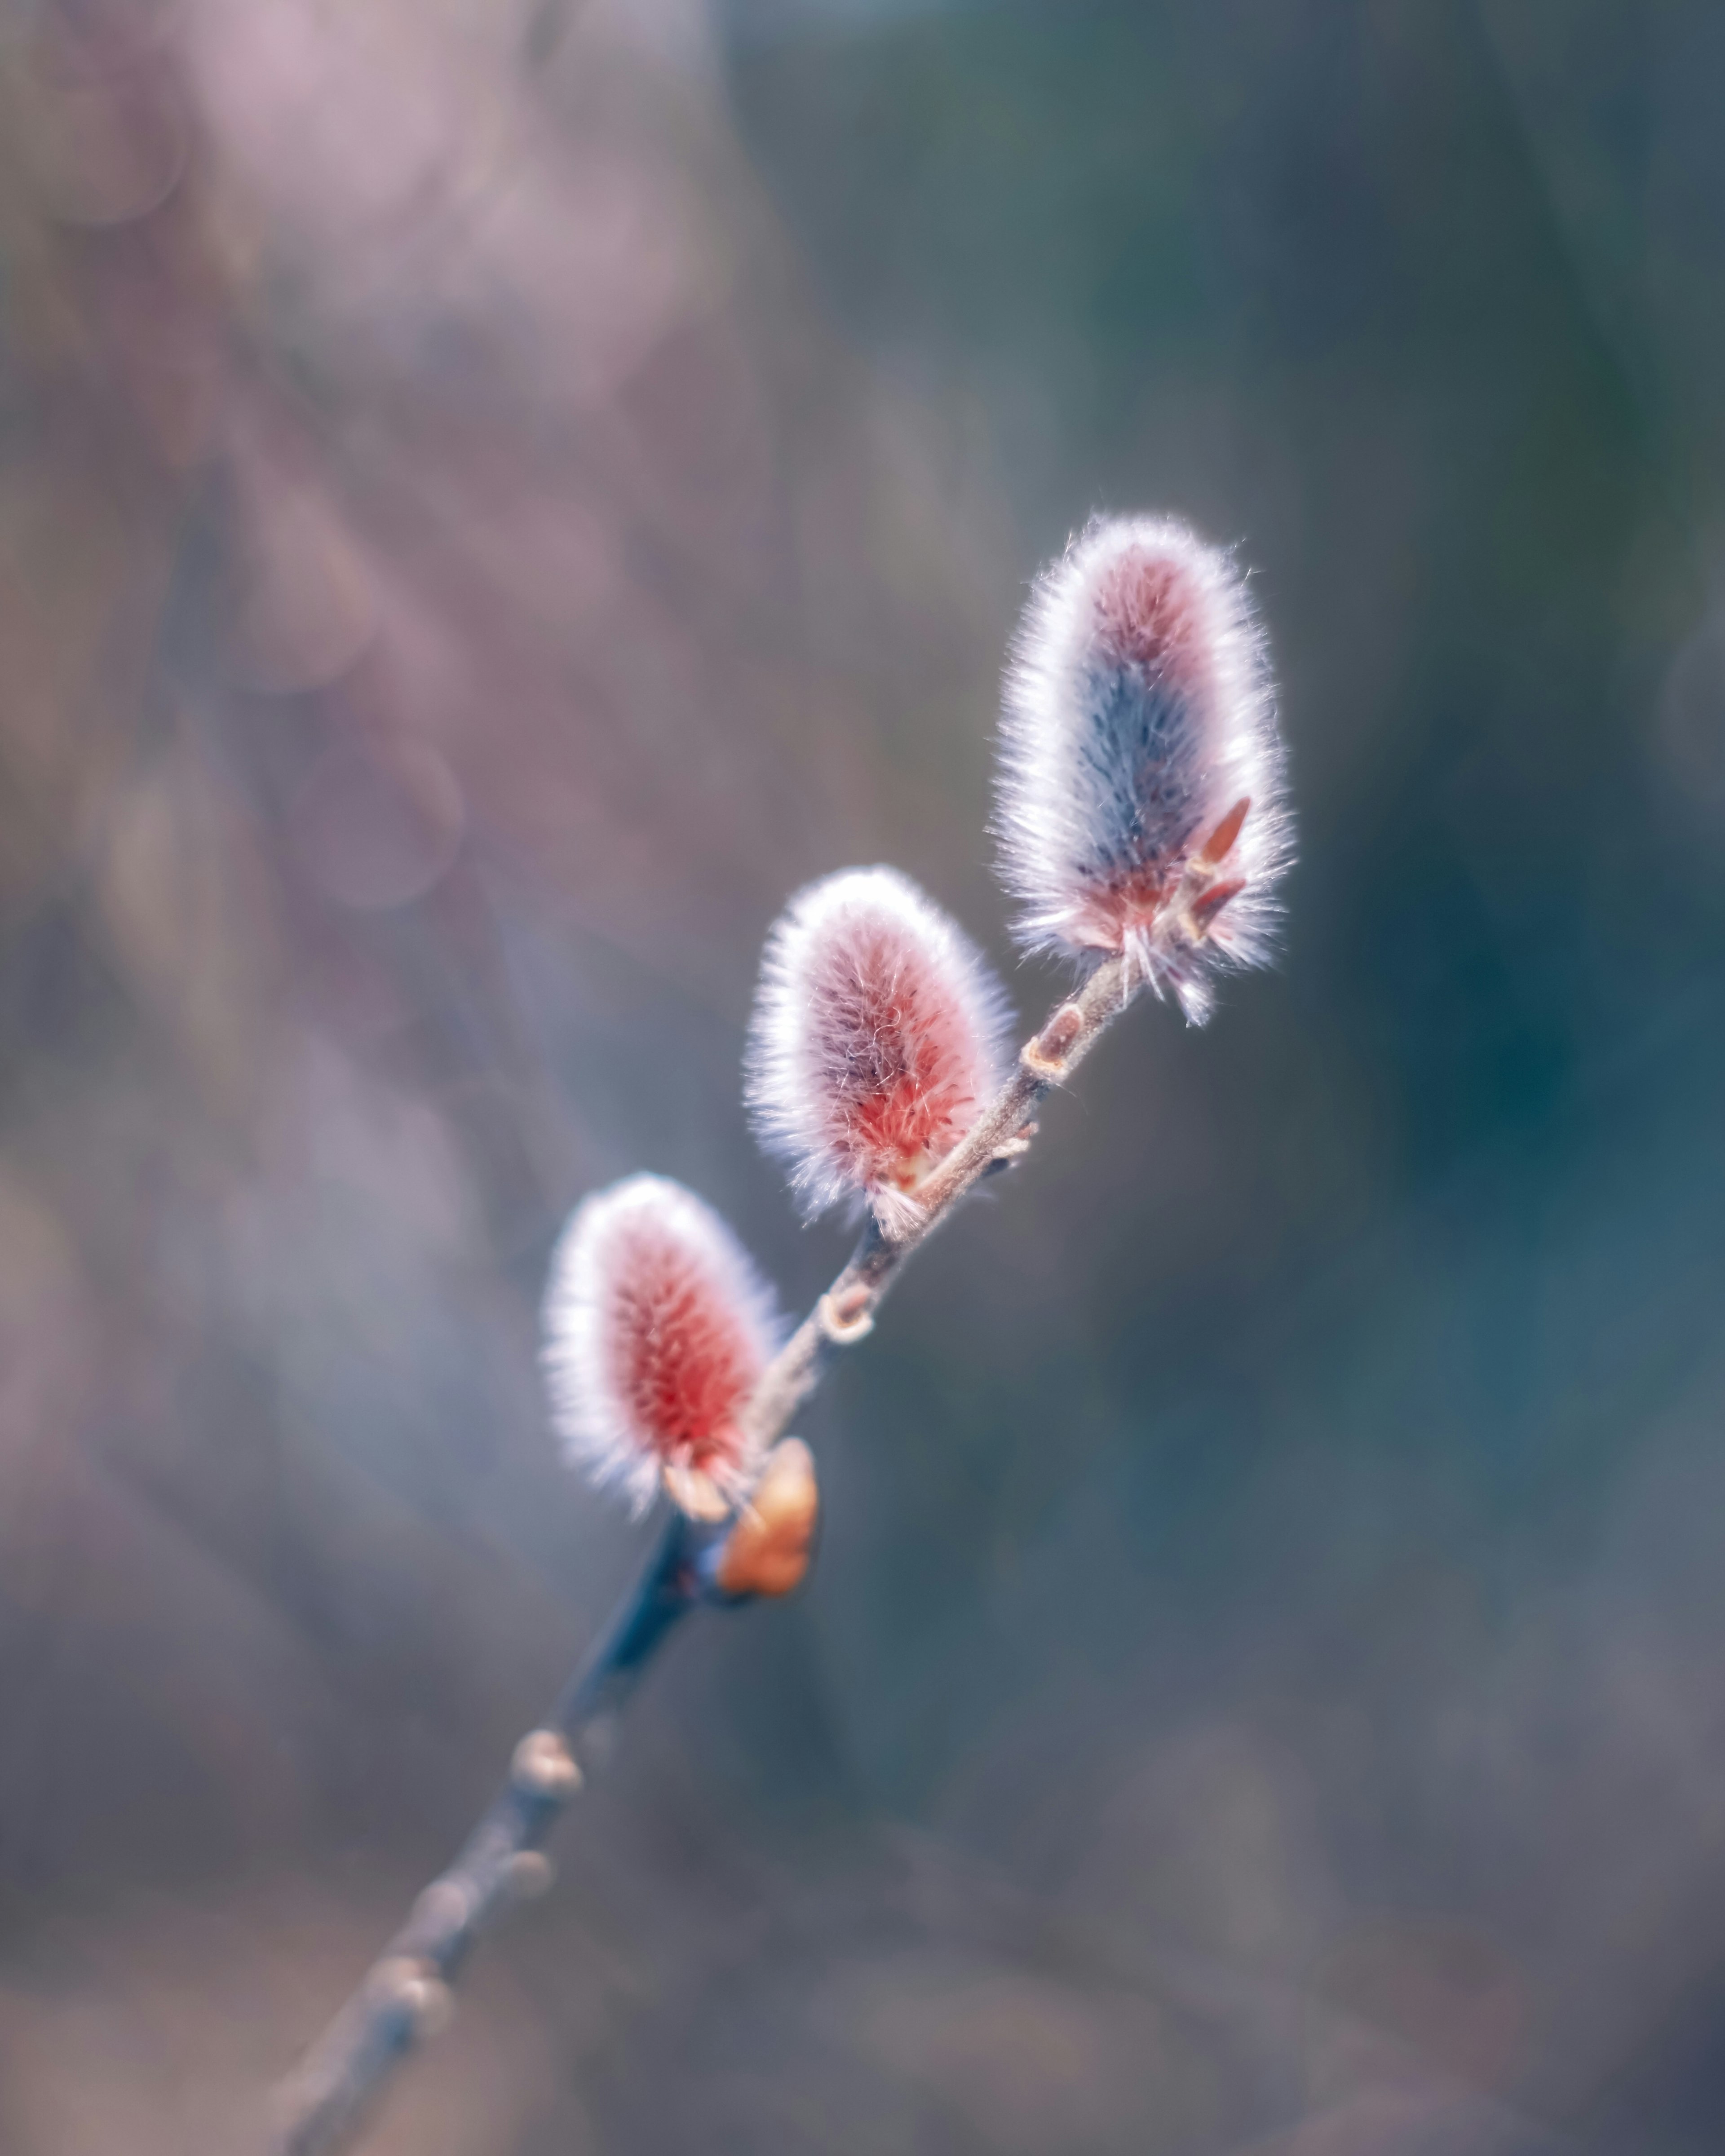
[[542, 1768], [1140, 807], [769, 1550], [415, 1991], [657, 1329], [528, 1874], [1046, 1055], [847, 1316], [431, 2004], [875, 1042]]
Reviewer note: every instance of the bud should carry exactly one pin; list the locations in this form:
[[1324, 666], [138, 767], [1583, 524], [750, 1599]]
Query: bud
[[768, 1551], [875, 1042], [1141, 787], [657, 1330]]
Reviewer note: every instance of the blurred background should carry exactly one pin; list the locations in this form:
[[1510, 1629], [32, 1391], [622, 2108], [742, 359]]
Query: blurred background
[[493, 494]]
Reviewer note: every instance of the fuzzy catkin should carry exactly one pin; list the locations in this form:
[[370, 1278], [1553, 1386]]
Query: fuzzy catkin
[[657, 1328], [875, 1042], [1140, 787]]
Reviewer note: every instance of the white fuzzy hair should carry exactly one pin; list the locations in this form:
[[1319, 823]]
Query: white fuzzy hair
[[796, 1075], [599, 1432], [1104, 766]]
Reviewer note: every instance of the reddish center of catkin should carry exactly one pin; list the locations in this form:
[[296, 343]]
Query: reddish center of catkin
[[1150, 614], [682, 1363], [902, 1060], [1107, 914]]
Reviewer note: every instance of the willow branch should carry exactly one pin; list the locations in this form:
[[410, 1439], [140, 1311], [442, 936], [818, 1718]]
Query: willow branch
[[405, 1996], [325, 2105]]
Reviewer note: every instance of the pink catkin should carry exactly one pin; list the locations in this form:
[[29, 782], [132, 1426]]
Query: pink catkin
[[876, 1041], [657, 1329], [1141, 791]]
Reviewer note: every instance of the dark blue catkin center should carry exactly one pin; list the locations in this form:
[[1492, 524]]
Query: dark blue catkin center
[[1141, 769]]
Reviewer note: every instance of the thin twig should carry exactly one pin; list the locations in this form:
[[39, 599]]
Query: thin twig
[[325, 2105]]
